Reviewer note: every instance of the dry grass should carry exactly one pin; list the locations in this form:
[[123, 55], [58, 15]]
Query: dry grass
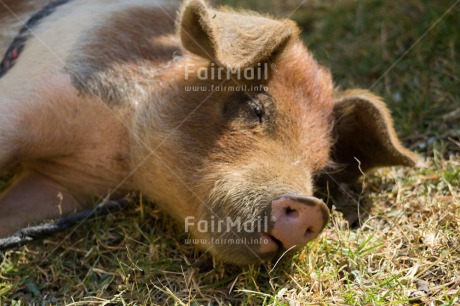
[[412, 233]]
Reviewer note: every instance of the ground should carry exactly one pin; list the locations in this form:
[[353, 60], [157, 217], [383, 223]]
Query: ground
[[406, 251]]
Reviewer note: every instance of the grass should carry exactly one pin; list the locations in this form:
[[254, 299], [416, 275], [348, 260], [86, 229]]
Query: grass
[[413, 230]]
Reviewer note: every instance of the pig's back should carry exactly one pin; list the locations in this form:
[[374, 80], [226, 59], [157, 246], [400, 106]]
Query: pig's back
[[82, 38]]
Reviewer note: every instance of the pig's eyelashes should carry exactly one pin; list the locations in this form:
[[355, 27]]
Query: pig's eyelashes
[[247, 109], [259, 112], [243, 109]]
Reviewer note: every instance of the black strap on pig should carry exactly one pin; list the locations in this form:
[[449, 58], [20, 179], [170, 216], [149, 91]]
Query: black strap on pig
[[16, 47], [34, 233]]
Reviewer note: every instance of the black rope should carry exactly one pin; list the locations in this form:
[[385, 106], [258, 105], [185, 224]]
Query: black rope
[[34, 233], [16, 47]]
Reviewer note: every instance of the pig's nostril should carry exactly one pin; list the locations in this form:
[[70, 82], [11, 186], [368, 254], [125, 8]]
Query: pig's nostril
[[291, 212], [309, 231]]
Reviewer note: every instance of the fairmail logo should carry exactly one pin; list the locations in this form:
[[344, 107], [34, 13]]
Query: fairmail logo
[[227, 241], [227, 88], [228, 224], [258, 72]]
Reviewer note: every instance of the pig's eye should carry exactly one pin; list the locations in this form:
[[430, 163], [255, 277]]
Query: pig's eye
[[250, 110], [258, 111]]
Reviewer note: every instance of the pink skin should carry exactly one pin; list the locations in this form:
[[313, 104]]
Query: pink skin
[[298, 220]]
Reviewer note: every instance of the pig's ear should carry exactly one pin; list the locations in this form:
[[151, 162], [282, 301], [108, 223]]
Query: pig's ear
[[232, 39], [365, 136]]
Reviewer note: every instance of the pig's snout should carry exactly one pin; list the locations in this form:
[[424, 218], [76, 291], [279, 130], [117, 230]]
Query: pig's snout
[[297, 220]]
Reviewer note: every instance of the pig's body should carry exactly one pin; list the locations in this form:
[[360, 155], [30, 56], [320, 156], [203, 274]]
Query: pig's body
[[57, 133], [98, 104]]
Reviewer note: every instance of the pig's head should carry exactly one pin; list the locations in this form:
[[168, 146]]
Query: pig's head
[[237, 167]]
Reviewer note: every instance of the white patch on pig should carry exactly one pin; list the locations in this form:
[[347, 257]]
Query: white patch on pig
[[56, 35]]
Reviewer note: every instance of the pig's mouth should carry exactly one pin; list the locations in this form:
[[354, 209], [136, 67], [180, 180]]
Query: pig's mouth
[[269, 244], [273, 247]]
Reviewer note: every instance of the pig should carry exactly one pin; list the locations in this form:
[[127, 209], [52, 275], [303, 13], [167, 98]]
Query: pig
[[222, 118]]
